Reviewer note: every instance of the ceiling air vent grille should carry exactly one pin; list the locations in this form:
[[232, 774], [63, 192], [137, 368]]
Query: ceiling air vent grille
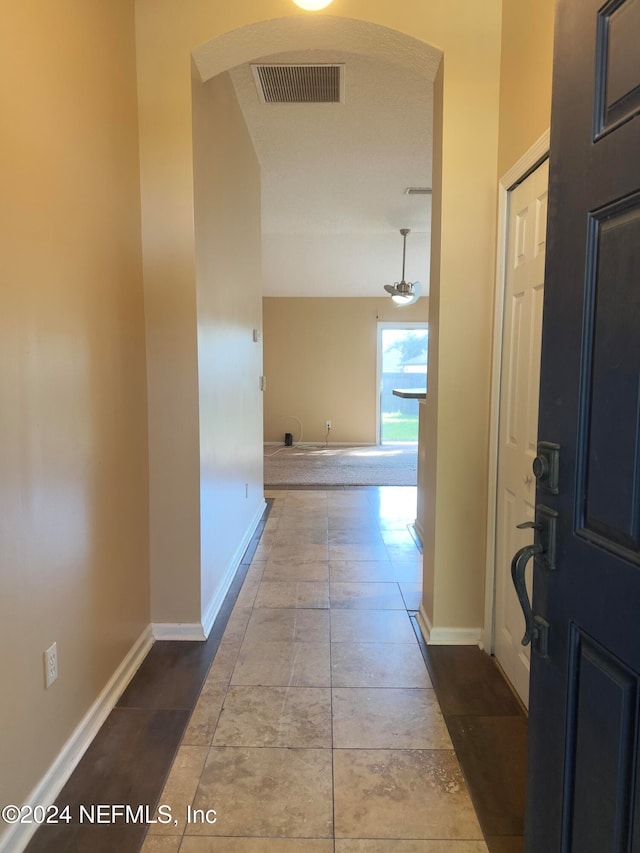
[[299, 84]]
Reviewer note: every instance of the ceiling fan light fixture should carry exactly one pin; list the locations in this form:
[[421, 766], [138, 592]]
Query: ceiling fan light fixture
[[402, 298], [404, 292]]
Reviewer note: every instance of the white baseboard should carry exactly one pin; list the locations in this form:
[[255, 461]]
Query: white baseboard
[[321, 444], [424, 623], [447, 636], [178, 631], [16, 837], [455, 636], [213, 608], [201, 630]]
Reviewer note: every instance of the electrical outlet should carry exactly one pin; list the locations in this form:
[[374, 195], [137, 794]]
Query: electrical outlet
[[50, 665], [328, 424]]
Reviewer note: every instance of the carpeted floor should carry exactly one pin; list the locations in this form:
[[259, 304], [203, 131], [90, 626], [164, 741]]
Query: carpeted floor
[[370, 465]]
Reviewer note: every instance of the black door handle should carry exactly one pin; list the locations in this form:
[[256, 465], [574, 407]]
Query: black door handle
[[536, 628]]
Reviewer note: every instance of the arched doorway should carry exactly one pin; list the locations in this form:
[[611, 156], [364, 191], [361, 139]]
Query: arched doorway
[[464, 174]]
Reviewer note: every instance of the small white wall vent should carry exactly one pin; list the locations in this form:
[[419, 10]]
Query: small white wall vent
[[299, 84]]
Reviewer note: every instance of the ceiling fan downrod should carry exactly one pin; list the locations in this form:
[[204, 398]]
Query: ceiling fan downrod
[[402, 286]]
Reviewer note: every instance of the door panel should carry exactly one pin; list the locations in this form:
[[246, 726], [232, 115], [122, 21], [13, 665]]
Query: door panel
[[602, 726], [617, 79], [583, 791], [609, 467], [520, 383]]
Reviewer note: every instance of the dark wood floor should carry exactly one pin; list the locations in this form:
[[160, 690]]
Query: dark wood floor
[[129, 760], [488, 728]]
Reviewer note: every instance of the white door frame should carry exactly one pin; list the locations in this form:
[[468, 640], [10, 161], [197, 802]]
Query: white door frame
[[388, 324], [538, 152]]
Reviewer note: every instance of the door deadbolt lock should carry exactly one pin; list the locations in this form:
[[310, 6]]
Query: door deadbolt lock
[[541, 468], [546, 467]]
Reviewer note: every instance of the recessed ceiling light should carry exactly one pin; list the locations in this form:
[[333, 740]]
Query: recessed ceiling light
[[312, 5]]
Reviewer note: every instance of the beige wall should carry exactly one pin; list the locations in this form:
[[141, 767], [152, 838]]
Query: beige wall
[[428, 443], [456, 474], [73, 429], [320, 363], [525, 77], [468, 33], [229, 296], [73, 447]]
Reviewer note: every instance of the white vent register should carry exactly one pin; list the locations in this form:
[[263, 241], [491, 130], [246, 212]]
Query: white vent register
[[299, 84]]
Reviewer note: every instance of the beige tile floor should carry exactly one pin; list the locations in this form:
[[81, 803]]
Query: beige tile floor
[[317, 729]]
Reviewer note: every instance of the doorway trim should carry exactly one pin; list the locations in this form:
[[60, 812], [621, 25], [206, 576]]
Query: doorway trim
[[529, 161], [389, 324]]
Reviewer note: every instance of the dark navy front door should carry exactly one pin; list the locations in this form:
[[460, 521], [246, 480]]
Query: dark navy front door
[[583, 786]]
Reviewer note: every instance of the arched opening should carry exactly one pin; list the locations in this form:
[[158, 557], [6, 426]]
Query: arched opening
[[465, 111], [227, 186]]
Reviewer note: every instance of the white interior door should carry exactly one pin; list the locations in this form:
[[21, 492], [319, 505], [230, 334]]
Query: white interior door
[[520, 383]]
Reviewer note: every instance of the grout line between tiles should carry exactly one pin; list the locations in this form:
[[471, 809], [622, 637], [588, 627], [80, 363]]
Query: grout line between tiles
[[331, 688]]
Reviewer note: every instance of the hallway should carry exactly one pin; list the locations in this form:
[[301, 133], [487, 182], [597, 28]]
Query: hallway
[[318, 728], [318, 720], [328, 715]]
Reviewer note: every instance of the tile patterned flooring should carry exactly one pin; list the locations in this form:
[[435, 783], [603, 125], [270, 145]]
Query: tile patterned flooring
[[317, 728]]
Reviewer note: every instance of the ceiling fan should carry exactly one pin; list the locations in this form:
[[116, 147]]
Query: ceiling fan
[[404, 292]]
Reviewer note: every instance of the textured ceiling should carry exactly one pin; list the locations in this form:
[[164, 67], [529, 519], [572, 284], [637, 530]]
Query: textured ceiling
[[334, 176]]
